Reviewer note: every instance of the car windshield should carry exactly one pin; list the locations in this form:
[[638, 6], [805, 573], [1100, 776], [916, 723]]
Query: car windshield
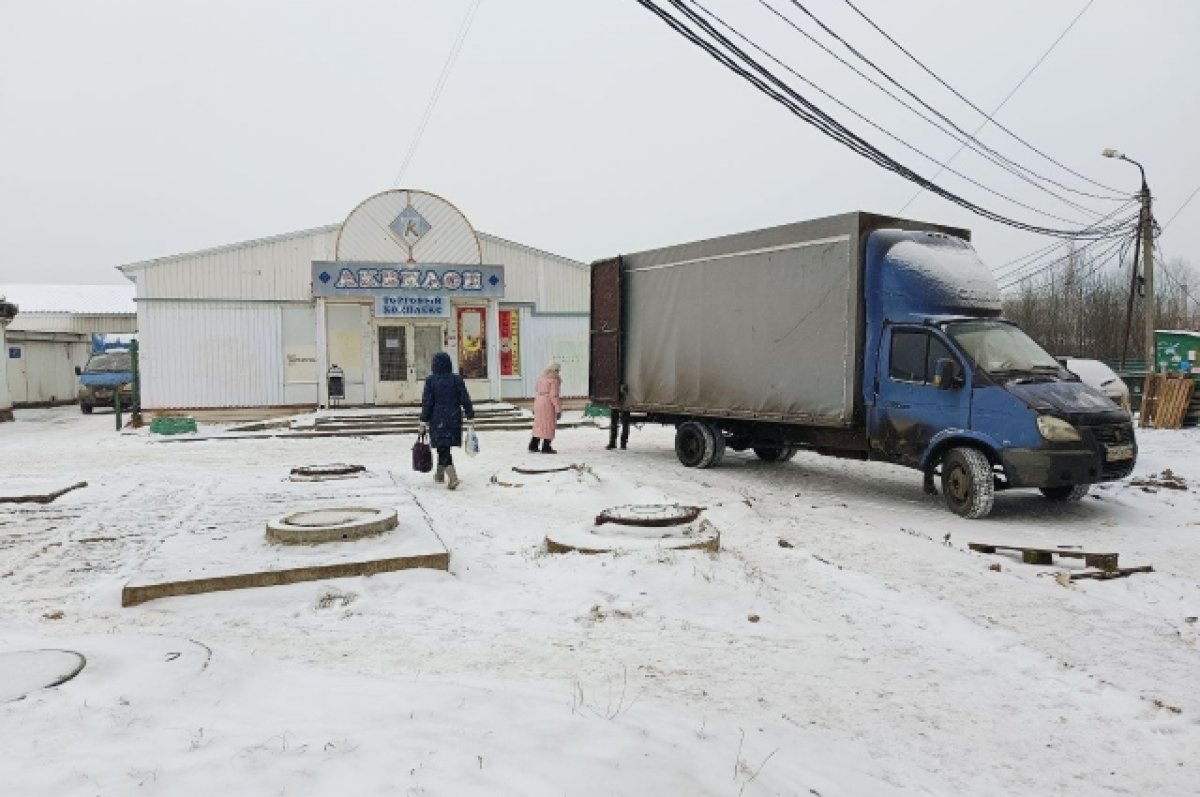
[[1001, 348], [112, 362]]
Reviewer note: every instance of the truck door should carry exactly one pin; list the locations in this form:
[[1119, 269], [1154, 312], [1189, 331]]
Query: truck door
[[909, 409]]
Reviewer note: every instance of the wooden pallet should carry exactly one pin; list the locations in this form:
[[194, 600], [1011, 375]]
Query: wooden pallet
[[1045, 556], [1166, 400]]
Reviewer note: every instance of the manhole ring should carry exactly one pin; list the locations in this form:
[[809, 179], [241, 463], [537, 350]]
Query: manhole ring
[[322, 472], [541, 471], [608, 538], [331, 524], [649, 515], [26, 671]]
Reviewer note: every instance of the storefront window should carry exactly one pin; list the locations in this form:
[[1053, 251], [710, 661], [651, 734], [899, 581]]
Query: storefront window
[[510, 342], [472, 343]]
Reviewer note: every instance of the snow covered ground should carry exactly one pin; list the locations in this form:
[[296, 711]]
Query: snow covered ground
[[843, 642]]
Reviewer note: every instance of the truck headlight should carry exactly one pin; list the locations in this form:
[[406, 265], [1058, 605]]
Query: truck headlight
[[1056, 430]]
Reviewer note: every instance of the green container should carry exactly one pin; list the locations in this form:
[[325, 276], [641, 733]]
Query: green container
[[1177, 351], [173, 424], [595, 411]]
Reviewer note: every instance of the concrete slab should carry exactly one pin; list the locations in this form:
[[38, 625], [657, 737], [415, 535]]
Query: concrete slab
[[215, 560]]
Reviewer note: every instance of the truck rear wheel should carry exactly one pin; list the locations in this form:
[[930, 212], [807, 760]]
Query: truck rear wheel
[[967, 482], [1069, 492], [775, 454], [698, 445]]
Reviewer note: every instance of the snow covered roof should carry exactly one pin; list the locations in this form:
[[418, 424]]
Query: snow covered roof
[[79, 299]]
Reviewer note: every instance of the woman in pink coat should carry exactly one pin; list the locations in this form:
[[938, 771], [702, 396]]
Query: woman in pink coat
[[547, 408]]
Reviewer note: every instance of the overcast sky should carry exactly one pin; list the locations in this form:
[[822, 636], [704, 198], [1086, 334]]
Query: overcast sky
[[133, 129]]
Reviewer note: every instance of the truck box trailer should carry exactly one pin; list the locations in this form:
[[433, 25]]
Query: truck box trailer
[[855, 335]]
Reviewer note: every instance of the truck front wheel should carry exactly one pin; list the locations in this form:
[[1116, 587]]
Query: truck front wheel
[[1068, 492], [967, 482], [86, 409], [698, 445]]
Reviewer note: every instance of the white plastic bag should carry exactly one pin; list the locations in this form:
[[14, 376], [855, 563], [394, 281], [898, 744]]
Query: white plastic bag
[[471, 442]]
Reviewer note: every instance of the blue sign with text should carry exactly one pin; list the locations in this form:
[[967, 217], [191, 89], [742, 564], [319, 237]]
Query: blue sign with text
[[346, 279], [412, 307], [14, 352]]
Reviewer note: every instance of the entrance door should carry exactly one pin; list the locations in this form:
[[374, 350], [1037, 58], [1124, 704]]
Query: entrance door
[[403, 354]]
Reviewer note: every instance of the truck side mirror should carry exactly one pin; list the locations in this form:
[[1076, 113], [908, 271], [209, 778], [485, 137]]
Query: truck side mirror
[[947, 374], [78, 371]]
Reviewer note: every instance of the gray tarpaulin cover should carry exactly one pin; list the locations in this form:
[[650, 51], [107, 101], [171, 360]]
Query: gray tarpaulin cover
[[768, 333]]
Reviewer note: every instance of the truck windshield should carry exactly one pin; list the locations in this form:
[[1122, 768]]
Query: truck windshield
[[113, 362], [1000, 348]]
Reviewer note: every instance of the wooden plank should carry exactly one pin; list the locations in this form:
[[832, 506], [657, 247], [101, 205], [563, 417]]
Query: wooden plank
[[44, 498], [1104, 575], [133, 595]]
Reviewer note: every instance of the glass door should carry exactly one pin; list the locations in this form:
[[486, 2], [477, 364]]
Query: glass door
[[404, 354]]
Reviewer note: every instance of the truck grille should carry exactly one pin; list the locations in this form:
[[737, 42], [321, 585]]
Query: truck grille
[[1113, 434]]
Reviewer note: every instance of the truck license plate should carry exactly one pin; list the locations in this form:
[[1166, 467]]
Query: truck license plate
[[1113, 453]]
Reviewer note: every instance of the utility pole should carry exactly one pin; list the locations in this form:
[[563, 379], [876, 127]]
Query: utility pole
[[1146, 240], [1148, 272]]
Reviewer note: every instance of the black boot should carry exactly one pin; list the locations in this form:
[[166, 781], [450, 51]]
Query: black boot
[[546, 449], [533, 445]]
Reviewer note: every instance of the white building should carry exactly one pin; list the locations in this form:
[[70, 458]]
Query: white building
[[262, 323], [52, 334]]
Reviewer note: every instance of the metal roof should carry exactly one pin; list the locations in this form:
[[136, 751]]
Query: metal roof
[[77, 299], [126, 268]]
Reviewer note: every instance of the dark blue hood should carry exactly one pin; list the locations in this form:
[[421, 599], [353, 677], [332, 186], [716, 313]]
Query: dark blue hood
[[441, 363], [1074, 401]]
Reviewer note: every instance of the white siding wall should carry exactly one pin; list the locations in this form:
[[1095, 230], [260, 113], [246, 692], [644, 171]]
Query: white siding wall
[[547, 338], [122, 323], [45, 371], [555, 284], [271, 269], [210, 354]]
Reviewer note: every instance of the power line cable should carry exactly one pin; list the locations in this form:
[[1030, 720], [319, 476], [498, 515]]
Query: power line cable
[[1186, 202], [772, 86], [833, 34], [868, 121], [989, 117], [946, 125], [1004, 270], [1112, 245], [461, 37]]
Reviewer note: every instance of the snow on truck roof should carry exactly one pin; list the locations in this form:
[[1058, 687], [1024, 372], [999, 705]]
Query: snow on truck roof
[[79, 299]]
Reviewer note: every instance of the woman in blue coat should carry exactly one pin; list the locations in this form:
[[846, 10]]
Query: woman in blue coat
[[442, 408]]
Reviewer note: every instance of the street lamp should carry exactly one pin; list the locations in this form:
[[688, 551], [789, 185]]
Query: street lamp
[[1145, 241]]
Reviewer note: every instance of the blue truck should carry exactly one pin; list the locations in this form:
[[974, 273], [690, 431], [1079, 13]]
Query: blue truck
[[860, 336]]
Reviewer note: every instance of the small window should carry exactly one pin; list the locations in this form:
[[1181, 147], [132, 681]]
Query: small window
[[909, 354]]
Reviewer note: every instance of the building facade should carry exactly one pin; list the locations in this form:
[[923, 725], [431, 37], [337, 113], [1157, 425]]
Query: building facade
[[51, 335], [265, 323]]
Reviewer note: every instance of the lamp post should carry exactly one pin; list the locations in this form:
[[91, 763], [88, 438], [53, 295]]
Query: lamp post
[[1146, 243], [8, 312]]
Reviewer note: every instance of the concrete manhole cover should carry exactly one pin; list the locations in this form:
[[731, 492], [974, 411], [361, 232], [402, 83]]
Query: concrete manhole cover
[[320, 473], [608, 537], [649, 515], [25, 671], [331, 525]]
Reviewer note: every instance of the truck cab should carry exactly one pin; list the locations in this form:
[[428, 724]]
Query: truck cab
[[106, 373], [951, 388]]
